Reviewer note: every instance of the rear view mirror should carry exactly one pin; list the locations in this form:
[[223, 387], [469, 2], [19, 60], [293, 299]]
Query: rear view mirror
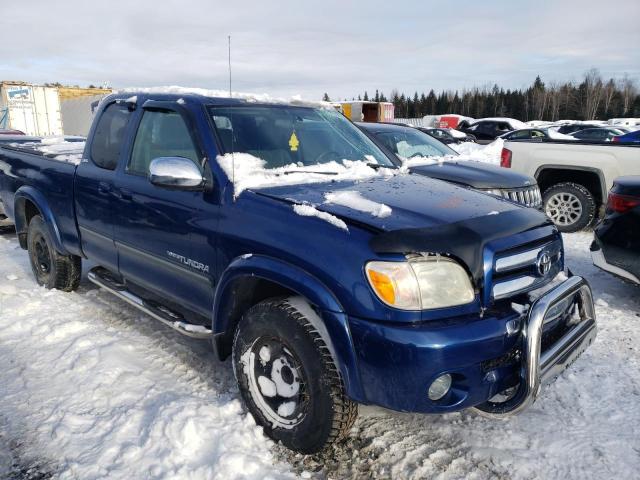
[[177, 173]]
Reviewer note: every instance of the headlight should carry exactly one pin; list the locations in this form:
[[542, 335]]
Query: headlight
[[420, 283]]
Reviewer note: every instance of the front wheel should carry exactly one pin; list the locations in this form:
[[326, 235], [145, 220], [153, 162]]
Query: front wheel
[[287, 376], [51, 269], [570, 206]]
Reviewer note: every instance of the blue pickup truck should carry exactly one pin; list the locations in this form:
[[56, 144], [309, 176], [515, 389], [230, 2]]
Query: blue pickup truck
[[284, 235]]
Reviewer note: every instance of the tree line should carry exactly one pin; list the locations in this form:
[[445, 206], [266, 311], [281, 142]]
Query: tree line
[[593, 98]]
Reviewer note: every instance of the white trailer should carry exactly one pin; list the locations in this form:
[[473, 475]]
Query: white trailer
[[33, 109]]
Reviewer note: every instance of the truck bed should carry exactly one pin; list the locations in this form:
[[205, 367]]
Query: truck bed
[[27, 169]]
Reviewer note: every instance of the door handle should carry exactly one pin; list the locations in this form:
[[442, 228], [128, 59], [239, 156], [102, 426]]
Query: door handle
[[104, 188], [125, 194]]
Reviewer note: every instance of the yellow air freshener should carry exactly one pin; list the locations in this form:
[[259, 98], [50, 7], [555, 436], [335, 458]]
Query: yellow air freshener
[[294, 142]]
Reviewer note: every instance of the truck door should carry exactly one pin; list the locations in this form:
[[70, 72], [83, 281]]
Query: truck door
[[154, 236], [94, 185]]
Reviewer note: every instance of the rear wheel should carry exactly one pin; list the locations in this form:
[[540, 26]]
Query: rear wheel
[[570, 206], [50, 268], [287, 376]]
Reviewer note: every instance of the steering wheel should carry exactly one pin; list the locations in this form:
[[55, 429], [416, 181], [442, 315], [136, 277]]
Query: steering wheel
[[417, 154], [327, 156]]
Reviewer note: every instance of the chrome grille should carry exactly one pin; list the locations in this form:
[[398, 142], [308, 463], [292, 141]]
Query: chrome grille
[[525, 269], [527, 196]]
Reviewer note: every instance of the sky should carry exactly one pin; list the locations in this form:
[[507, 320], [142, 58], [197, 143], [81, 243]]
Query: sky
[[309, 47]]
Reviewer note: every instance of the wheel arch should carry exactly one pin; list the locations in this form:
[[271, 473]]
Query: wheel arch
[[590, 178], [249, 279], [29, 202]]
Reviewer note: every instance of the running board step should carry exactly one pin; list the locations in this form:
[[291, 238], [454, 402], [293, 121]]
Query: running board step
[[106, 280]]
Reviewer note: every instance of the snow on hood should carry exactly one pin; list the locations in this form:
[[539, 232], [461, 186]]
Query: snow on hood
[[248, 172], [311, 211], [416, 201], [356, 201], [250, 97], [456, 133]]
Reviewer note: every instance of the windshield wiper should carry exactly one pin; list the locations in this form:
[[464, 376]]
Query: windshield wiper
[[378, 166]]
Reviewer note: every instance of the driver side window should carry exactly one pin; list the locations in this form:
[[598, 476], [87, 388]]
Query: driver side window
[[160, 134]]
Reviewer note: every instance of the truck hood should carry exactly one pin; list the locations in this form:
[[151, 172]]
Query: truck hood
[[474, 174], [426, 215]]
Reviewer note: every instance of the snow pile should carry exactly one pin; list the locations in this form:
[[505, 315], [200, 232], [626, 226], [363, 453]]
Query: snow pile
[[248, 172], [489, 153], [250, 97], [356, 201], [311, 211], [93, 389]]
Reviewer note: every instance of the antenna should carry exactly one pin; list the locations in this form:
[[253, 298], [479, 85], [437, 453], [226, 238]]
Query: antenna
[[229, 43], [233, 157]]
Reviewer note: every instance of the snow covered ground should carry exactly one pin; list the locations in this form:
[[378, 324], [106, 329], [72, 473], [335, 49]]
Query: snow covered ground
[[90, 388]]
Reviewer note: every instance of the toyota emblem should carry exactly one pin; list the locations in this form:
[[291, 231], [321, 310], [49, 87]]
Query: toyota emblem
[[543, 264]]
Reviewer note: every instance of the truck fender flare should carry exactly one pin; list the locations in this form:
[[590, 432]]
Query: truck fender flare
[[597, 171], [28, 193], [330, 320]]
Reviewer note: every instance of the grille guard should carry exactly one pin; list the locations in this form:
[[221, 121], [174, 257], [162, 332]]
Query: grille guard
[[539, 368]]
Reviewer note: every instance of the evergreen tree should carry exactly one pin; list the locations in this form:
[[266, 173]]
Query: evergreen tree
[[325, 97], [366, 96]]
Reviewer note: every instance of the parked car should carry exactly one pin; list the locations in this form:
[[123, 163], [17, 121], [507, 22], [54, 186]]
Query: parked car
[[329, 282], [571, 128], [601, 134], [538, 134], [402, 142], [488, 129], [616, 244], [448, 135], [573, 176], [10, 131], [631, 137]]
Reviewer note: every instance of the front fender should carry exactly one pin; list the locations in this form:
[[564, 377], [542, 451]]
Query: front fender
[[28, 193], [331, 321]]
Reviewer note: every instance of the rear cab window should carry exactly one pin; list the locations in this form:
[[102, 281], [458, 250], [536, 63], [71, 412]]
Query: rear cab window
[[109, 136]]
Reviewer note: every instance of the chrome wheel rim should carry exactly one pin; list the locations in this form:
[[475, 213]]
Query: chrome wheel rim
[[564, 208], [276, 382]]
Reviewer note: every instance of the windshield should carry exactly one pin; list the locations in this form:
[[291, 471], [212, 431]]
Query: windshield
[[408, 143], [284, 135]]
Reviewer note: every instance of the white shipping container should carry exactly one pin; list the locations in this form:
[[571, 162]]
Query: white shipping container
[[33, 109]]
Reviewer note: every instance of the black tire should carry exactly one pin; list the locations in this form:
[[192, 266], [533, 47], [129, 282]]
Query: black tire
[[317, 412], [570, 206], [50, 268]]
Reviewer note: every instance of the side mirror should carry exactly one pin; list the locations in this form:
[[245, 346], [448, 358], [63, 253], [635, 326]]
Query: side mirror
[[177, 173]]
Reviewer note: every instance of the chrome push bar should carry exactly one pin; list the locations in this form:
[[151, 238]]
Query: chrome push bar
[[538, 368]]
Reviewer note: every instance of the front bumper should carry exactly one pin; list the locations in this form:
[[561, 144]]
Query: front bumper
[[484, 356]]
